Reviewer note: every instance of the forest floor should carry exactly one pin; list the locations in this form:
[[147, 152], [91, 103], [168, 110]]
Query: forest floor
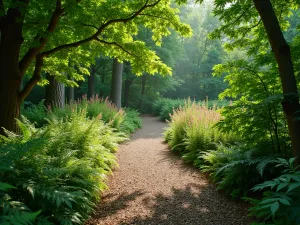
[[153, 186]]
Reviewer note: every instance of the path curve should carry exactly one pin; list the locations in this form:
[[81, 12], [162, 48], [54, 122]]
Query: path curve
[[153, 186]]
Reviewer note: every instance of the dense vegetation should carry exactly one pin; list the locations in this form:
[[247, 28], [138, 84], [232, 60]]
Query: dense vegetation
[[246, 146], [238, 60], [237, 167], [54, 171]]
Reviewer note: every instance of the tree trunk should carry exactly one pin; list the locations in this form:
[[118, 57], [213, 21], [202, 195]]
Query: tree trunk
[[144, 79], [128, 83], [55, 93], [116, 83], [282, 53], [101, 93], [91, 82], [10, 79], [70, 94]]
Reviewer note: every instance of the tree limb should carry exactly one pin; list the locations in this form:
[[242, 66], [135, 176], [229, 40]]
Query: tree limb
[[89, 25], [35, 78], [33, 52], [113, 43], [100, 30]]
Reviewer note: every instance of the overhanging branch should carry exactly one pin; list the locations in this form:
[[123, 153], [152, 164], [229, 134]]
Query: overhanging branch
[[100, 30], [115, 44], [35, 78], [33, 52]]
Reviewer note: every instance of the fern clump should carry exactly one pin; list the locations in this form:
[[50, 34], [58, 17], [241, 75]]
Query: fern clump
[[57, 171], [236, 169]]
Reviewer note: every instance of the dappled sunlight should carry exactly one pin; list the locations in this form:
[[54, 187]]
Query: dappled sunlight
[[154, 186], [191, 204]]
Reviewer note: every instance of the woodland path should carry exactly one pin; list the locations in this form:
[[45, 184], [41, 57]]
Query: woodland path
[[153, 186]]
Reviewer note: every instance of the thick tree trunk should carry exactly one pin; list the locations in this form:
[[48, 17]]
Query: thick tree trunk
[[55, 93], [127, 85], [91, 82], [282, 54], [116, 83], [10, 79], [143, 86]]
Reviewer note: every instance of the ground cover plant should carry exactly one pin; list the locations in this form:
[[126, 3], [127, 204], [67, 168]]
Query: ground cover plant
[[54, 173]]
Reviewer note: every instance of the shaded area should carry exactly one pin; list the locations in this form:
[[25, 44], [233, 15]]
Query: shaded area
[[116, 202]]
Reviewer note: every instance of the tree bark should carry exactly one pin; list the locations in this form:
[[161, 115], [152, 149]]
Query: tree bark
[[143, 85], [70, 94], [282, 53], [10, 79], [116, 83], [127, 85], [101, 93], [91, 82], [55, 93]]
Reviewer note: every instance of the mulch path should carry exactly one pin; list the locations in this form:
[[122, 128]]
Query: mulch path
[[153, 186]]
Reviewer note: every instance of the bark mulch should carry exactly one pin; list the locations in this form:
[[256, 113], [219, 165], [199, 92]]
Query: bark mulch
[[153, 186]]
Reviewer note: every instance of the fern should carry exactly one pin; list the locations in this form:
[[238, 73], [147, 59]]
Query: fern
[[58, 170]]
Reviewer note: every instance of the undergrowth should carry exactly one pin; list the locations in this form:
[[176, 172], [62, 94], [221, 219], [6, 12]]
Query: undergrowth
[[164, 107], [54, 171], [126, 121], [192, 131], [55, 174], [237, 166]]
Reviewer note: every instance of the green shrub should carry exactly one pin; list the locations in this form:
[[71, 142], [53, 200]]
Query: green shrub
[[192, 131], [158, 105], [236, 169], [282, 203], [126, 121], [164, 107], [36, 113], [131, 121], [94, 107], [57, 171]]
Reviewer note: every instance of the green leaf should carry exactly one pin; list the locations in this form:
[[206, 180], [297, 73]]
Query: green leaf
[[293, 186], [269, 200], [5, 186], [281, 186], [274, 207], [284, 201], [291, 161]]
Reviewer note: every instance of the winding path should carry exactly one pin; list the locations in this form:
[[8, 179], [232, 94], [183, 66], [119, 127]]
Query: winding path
[[153, 186]]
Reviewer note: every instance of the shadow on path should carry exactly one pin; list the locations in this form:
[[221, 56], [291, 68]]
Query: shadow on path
[[154, 187], [193, 205]]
